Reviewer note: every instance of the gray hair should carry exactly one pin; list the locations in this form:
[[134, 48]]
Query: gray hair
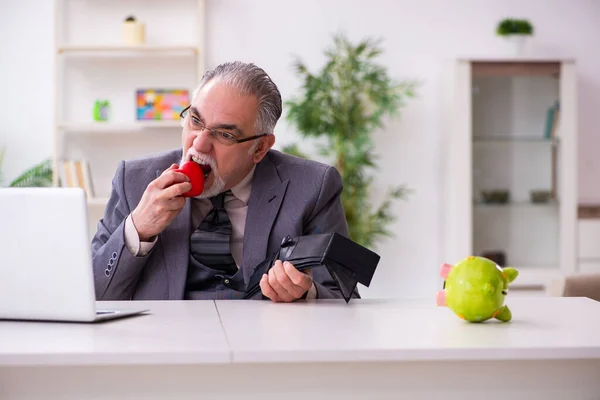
[[250, 80]]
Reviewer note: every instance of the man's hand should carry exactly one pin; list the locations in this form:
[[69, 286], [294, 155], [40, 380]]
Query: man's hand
[[285, 283], [160, 203]]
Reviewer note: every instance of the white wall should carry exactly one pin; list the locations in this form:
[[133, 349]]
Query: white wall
[[419, 40], [26, 79]]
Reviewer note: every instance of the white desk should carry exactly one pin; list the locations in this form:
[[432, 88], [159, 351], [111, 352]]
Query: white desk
[[174, 333], [365, 349]]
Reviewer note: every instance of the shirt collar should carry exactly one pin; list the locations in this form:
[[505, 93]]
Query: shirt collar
[[243, 189]]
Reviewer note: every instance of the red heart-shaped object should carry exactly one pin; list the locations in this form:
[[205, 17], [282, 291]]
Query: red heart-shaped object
[[194, 172]]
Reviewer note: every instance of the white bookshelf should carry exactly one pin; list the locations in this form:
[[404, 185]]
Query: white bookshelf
[[497, 141], [93, 63]]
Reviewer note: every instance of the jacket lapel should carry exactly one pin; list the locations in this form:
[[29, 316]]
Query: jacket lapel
[[265, 200], [176, 248]]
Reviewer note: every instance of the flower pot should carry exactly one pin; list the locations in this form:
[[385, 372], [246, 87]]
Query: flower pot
[[134, 33], [516, 44]]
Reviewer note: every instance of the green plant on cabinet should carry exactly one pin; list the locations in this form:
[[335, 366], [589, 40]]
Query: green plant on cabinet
[[512, 26]]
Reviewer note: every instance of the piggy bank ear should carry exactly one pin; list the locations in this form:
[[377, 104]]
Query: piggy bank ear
[[445, 270], [510, 273]]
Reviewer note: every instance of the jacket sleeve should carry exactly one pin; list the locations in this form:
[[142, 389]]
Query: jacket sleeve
[[116, 269], [328, 216]]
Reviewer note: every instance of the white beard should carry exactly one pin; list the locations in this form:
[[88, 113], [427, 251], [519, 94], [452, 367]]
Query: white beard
[[216, 188]]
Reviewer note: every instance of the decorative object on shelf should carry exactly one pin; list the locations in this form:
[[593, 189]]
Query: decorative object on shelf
[[475, 288], [552, 119], [551, 132], [540, 196], [134, 32], [161, 104], [350, 72], [495, 196], [39, 175], [516, 32], [101, 110], [497, 256]]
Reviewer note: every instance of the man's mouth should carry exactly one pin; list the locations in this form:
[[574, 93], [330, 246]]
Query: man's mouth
[[206, 168]]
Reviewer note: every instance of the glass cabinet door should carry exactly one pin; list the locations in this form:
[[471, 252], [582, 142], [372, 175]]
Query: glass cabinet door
[[515, 163]]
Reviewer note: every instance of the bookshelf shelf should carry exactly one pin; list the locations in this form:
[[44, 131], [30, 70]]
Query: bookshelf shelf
[[514, 204], [120, 49], [116, 127], [516, 139]]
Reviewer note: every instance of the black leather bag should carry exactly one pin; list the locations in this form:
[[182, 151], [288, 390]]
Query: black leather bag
[[348, 262]]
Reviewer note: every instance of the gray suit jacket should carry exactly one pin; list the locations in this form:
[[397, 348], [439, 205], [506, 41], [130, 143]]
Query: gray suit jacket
[[290, 196]]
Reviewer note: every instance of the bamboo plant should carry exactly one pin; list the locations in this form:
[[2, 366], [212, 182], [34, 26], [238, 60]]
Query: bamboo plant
[[345, 102]]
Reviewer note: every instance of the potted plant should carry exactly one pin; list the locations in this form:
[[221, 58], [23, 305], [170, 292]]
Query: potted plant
[[343, 104], [515, 31]]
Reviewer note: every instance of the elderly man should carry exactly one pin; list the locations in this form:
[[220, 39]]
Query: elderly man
[[155, 244]]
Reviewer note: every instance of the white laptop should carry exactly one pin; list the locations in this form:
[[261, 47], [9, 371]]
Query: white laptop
[[45, 257]]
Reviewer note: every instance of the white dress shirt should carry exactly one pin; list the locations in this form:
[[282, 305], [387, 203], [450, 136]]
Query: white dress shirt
[[236, 206]]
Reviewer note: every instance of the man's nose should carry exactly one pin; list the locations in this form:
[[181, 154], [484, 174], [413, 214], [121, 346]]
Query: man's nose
[[203, 141]]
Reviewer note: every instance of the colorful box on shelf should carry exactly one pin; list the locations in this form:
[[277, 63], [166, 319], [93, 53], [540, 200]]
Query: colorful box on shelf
[[161, 104]]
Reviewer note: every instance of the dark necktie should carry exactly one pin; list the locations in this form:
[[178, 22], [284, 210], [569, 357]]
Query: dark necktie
[[209, 244]]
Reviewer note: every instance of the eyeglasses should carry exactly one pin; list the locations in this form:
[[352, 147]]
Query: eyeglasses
[[224, 137]]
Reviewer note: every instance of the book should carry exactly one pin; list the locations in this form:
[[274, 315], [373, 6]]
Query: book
[[76, 173]]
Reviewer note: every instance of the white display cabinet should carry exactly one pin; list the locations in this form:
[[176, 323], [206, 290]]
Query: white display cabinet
[[511, 167]]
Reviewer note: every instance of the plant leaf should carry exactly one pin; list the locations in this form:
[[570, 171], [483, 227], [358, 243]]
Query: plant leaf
[[40, 175]]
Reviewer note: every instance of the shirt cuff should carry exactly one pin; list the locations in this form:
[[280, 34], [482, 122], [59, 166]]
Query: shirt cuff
[[312, 293], [132, 240]]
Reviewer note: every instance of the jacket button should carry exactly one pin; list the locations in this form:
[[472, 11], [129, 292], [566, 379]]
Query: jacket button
[[114, 255], [226, 281], [106, 272]]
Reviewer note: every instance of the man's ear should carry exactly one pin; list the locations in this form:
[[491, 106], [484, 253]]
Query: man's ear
[[264, 145]]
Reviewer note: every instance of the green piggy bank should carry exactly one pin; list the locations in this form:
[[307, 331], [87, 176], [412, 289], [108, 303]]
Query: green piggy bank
[[475, 288]]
